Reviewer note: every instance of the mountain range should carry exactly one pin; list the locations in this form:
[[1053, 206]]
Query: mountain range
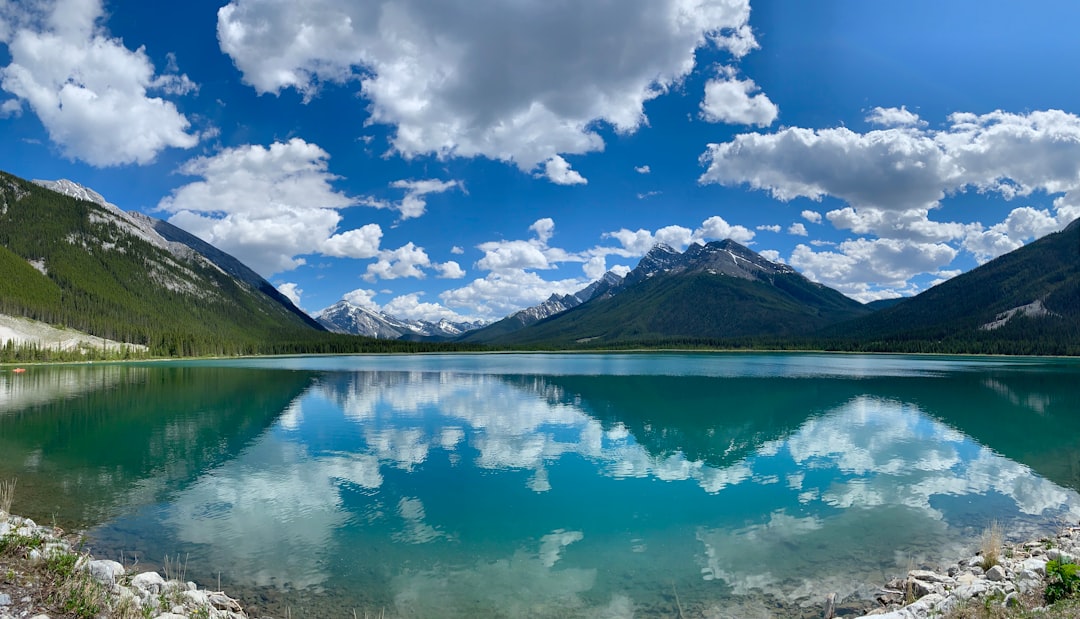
[[69, 257], [346, 317]]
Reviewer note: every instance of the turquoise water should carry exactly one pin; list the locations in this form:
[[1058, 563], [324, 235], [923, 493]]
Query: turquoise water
[[546, 485]]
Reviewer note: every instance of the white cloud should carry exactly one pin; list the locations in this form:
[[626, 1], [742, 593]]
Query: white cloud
[[450, 270], [894, 117], [11, 107], [268, 206], [292, 292], [730, 100], [892, 179], [414, 204], [515, 82], [90, 92], [503, 292], [362, 242], [642, 169], [362, 298], [410, 307], [861, 265], [769, 228], [638, 243], [525, 254], [813, 217], [595, 267], [772, 255], [716, 228], [405, 261], [457, 251], [1021, 225], [558, 171], [797, 229]]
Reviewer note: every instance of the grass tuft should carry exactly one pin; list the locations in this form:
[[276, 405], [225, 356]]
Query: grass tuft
[[990, 545], [7, 494]]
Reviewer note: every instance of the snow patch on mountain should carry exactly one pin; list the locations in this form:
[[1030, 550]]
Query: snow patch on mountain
[[346, 317]]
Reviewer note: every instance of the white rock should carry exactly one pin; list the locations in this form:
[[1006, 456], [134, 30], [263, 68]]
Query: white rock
[[151, 582], [224, 602], [995, 574], [196, 598], [929, 576], [170, 616], [966, 579], [1061, 555], [974, 590], [1028, 581], [106, 572], [1034, 564]]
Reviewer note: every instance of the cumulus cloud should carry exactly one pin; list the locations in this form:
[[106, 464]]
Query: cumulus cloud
[[892, 179], [450, 270], [515, 82], [894, 117], [797, 229], [772, 255], [730, 100], [642, 169], [292, 292], [92, 94], [525, 254], [860, 267], [410, 307], [1022, 224], [505, 291], [769, 228], [405, 261], [638, 243], [716, 228], [558, 171], [813, 217], [268, 206], [414, 204], [11, 107], [362, 297], [457, 251]]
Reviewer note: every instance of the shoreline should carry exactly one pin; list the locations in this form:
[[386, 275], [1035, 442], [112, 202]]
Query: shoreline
[[44, 574]]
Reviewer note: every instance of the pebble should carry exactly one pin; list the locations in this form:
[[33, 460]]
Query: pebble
[[1022, 571], [149, 591]]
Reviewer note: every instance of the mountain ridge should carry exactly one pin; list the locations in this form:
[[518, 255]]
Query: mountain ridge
[[72, 258], [717, 290]]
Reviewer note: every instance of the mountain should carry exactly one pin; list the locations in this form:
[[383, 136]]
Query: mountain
[[555, 304], [1026, 301], [346, 317], [714, 291], [71, 258]]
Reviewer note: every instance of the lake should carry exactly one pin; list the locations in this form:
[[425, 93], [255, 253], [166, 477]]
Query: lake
[[545, 485]]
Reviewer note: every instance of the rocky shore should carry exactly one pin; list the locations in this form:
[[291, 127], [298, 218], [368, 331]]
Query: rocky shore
[[43, 575], [1014, 579]]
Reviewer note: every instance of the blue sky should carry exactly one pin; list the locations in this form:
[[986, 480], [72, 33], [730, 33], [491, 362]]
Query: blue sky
[[466, 158]]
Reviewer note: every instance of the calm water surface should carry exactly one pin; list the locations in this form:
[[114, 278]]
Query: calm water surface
[[546, 485]]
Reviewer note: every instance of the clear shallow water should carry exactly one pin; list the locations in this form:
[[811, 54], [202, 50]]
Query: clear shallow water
[[546, 485]]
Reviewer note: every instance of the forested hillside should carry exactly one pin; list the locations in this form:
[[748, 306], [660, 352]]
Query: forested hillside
[[1024, 302]]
